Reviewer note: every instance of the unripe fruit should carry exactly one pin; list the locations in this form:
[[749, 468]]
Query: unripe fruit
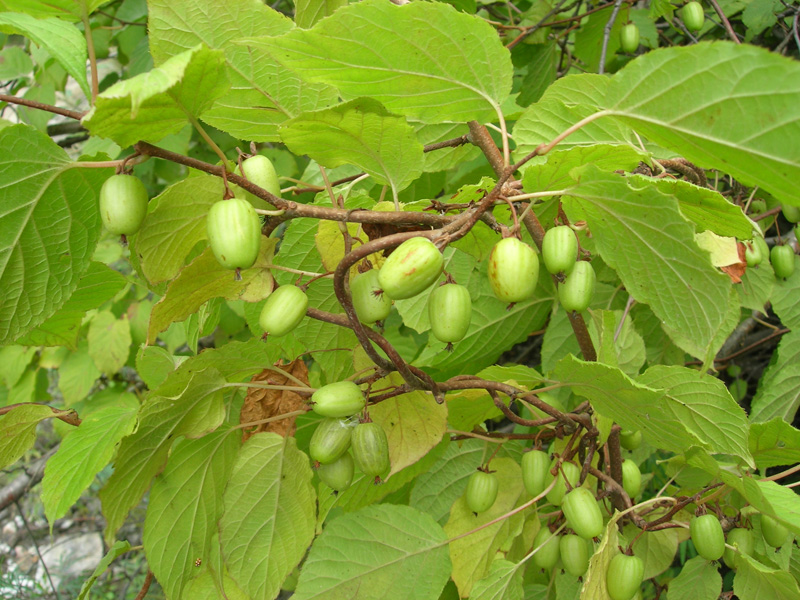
[[774, 533], [371, 449], [234, 233], [575, 294], [693, 16], [629, 38], [743, 540], [752, 254], [123, 204], [583, 513], [330, 440], [631, 478], [575, 554], [549, 399], [547, 556], [573, 473], [536, 471], [481, 491], [340, 399], [338, 475], [513, 270], [411, 268], [707, 537], [450, 311], [283, 310], [624, 576], [782, 259], [259, 170], [630, 440], [559, 249], [370, 302], [791, 213]]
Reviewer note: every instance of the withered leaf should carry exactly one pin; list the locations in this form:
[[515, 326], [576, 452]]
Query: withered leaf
[[262, 404]]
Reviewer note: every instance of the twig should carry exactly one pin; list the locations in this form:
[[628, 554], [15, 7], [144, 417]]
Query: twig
[[606, 35], [87, 31], [725, 22], [72, 114], [145, 586], [24, 482], [481, 138], [36, 546]]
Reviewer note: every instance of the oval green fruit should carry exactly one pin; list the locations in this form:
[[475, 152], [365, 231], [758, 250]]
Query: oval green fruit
[[791, 213], [371, 449], [234, 233], [575, 294], [340, 399], [693, 16], [123, 204], [258, 169], [547, 556], [629, 38], [283, 310], [411, 268], [536, 471], [573, 473], [513, 270], [707, 536], [782, 259], [774, 533], [450, 311], [631, 478], [575, 554], [338, 475], [630, 440], [743, 540], [481, 491], [583, 513], [624, 576], [330, 440], [370, 302], [752, 253], [559, 249]]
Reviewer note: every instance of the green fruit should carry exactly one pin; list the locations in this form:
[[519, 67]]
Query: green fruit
[[573, 473], [791, 213], [752, 254], [629, 38], [370, 302], [481, 491], [575, 554], [330, 440], [624, 576], [339, 474], [707, 537], [123, 204], [575, 294], [340, 399], [259, 170], [631, 478], [547, 556], [283, 310], [559, 249], [583, 513], [371, 449], [549, 399], [630, 440], [743, 540], [234, 232], [411, 268], [536, 471], [782, 259], [774, 533], [450, 311], [693, 16], [513, 270]]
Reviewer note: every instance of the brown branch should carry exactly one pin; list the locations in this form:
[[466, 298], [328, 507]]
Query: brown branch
[[480, 136], [41, 106], [145, 586], [725, 22]]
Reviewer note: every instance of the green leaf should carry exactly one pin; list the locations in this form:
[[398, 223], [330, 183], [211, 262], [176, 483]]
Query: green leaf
[[747, 123], [759, 15], [698, 580], [82, 454], [270, 507], [774, 443], [589, 39], [769, 497], [188, 403], [457, 71], [118, 549], [15, 63], [542, 71], [757, 288], [704, 406], [382, 551], [14, 360], [49, 224], [472, 555], [77, 374], [504, 582], [184, 507], [153, 105], [778, 392], [308, 12], [63, 41], [754, 581], [625, 346], [446, 158], [641, 233], [657, 550], [109, 341], [18, 430], [361, 133], [69, 10], [154, 364], [784, 299]]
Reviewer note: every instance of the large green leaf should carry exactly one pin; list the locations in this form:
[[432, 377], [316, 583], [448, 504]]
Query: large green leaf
[[308, 12], [382, 551], [721, 105], [778, 392], [698, 580], [69, 10], [270, 507], [424, 60], [755, 581], [504, 582], [784, 299], [18, 430], [774, 443], [49, 225], [109, 341]]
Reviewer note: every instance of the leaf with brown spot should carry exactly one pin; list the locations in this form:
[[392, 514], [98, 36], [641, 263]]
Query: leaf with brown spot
[[260, 404], [736, 270]]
